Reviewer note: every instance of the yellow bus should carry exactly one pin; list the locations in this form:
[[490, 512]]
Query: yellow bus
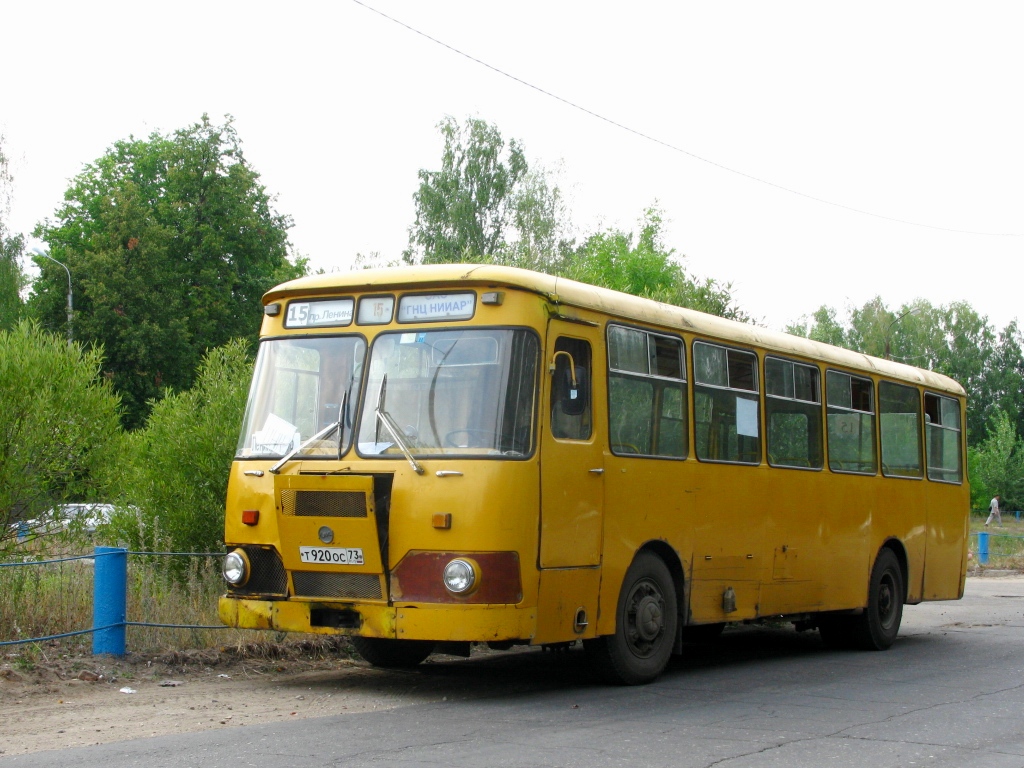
[[436, 456]]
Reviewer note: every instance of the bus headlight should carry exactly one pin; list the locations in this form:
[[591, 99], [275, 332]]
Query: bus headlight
[[459, 576], [236, 568]]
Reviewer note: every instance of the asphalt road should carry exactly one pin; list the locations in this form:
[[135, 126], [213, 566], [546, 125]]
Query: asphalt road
[[949, 693]]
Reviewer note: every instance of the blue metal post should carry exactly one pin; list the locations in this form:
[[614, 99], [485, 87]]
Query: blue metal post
[[110, 600], [983, 547]]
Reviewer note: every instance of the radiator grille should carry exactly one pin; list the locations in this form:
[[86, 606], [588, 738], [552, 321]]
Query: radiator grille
[[267, 576], [323, 503], [364, 586]]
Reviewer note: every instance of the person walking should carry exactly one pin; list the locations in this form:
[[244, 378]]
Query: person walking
[[993, 511]]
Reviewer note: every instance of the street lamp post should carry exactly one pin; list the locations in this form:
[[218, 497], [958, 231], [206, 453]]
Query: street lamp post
[[888, 330], [71, 308]]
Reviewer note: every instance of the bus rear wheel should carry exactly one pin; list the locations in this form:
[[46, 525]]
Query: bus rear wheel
[[392, 654], [645, 631], [877, 627]]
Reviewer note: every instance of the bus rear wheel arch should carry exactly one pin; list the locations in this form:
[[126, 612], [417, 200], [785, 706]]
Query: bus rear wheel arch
[[646, 620], [876, 627]]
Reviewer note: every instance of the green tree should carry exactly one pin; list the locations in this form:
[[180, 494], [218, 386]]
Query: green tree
[[952, 339], [541, 224], [483, 204], [486, 205], [173, 473], [58, 423], [997, 465], [1007, 375], [644, 266], [12, 245], [171, 242], [822, 326], [967, 357]]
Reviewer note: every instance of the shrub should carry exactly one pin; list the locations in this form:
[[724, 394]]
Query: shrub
[[175, 470], [58, 425]]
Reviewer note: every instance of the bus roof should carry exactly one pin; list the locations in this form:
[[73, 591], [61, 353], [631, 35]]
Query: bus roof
[[570, 293]]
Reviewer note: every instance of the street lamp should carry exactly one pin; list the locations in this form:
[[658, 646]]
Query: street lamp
[[39, 252], [888, 330]]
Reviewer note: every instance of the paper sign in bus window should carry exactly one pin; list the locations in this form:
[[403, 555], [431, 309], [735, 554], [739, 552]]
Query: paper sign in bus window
[[746, 417], [277, 436]]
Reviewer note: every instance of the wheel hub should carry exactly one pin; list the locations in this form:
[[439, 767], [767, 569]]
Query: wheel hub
[[649, 618]]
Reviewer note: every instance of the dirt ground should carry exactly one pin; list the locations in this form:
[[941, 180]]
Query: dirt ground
[[52, 703], [55, 701]]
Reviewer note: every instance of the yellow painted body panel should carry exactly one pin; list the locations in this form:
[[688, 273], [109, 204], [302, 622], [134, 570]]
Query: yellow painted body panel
[[563, 593], [486, 623], [293, 616], [782, 541], [572, 494]]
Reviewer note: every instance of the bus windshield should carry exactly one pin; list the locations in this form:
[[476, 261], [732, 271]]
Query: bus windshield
[[466, 392], [301, 387]]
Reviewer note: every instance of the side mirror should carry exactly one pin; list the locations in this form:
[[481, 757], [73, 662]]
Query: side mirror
[[573, 400]]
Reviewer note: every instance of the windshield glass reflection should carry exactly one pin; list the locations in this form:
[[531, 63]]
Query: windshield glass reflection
[[451, 392], [300, 388]]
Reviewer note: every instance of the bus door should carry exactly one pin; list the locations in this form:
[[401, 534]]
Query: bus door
[[572, 457]]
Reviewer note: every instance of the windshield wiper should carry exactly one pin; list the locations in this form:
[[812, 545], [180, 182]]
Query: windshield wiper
[[276, 469], [384, 418]]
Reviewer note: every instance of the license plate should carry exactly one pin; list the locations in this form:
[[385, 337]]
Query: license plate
[[332, 555]]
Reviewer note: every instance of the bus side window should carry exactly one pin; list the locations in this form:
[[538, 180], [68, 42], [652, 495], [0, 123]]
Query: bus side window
[[899, 409], [726, 404], [571, 401], [646, 393], [851, 423], [793, 411], [942, 430]]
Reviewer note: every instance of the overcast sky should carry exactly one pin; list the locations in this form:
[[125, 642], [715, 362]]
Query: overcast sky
[[808, 153]]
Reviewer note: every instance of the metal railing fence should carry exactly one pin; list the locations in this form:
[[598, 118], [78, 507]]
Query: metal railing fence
[[110, 598]]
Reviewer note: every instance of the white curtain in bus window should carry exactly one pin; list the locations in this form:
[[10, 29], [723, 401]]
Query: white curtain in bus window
[[899, 410], [851, 423], [726, 404], [942, 422], [647, 393]]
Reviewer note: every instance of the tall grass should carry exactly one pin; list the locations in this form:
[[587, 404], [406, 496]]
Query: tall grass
[[45, 599], [40, 599], [1005, 541]]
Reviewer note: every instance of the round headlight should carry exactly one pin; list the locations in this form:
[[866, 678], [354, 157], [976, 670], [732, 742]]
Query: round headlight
[[236, 568], [459, 576]]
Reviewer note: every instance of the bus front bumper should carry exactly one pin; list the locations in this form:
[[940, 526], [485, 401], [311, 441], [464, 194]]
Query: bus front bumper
[[441, 623]]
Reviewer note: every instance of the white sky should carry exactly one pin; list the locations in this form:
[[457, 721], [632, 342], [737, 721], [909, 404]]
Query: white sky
[[910, 110]]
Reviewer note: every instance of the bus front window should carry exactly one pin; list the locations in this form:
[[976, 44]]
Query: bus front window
[[300, 387], [466, 392]]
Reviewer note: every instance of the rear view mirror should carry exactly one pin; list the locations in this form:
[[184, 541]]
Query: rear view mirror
[[571, 385]]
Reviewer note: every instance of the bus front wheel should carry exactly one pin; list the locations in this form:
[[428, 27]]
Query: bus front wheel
[[877, 627], [645, 630], [392, 654]]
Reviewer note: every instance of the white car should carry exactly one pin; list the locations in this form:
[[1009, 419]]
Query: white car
[[87, 517]]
